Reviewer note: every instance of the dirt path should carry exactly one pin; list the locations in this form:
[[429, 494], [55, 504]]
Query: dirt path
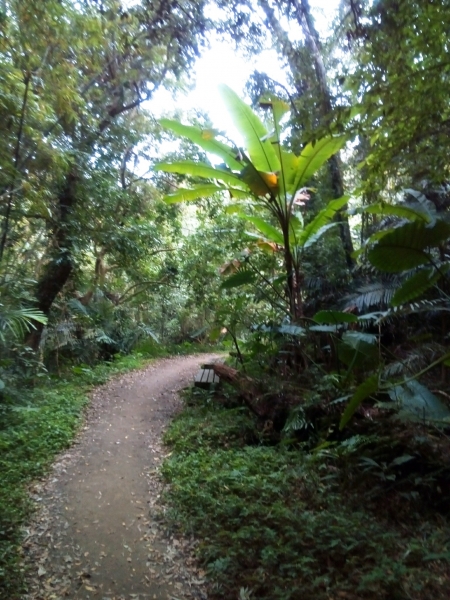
[[97, 534]]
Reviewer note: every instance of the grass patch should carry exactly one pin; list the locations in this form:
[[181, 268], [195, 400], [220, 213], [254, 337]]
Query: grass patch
[[34, 428], [280, 523]]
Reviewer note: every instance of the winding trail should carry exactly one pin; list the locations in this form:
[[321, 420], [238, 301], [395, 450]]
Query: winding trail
[[98, 532]]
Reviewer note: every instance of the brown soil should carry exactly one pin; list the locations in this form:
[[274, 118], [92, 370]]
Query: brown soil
[[98, 532]]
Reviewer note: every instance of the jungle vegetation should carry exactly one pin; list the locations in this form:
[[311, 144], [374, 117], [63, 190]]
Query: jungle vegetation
[[314, 249]]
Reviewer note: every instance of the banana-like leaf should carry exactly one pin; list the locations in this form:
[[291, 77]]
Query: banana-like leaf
[[278, 108], [233, 209], [334, 316], [296, 227], [238, 279], [239, 193], [267, 229], [415, 286], [366, 389], [358, 350], [313, 156], [314, 238], [260, 150], [199, 169], [289, 167], [260, 183], [407, 212], [403, 248], [416, 401], [194, 193], [288, 160], [323, 218], [295, 330], [206, 140]]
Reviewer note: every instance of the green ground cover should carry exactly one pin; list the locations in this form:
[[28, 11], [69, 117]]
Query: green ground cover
[[279, 522]]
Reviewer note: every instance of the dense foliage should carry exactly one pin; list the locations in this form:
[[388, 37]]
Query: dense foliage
[[315, 247]]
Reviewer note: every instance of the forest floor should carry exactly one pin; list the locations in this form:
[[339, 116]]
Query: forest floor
[[98, 532]]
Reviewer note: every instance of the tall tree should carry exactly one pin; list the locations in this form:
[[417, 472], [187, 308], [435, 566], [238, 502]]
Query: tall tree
[[400, 76], [74, 76]]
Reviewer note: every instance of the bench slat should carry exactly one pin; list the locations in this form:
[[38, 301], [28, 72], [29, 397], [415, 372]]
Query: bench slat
[[205, 378]]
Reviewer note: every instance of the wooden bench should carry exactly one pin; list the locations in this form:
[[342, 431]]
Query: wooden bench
[[206, 377]]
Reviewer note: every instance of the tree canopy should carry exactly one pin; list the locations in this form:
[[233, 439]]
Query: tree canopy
[[314, 248]]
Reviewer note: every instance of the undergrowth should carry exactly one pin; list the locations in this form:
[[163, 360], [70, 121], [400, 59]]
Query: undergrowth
[[37, 422], [277, 521]]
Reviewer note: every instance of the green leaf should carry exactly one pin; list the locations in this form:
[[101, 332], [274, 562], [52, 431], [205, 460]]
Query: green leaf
[[323, 218], [238, 279], [260, 183], [334, 316], [194, 193], [295, 330], [418, 402], [403, 248], [289, 166], [407, 212], [437, 556], [313, 156], [20, 320], [401, 460], [199, 169], [415, 286], [278, 107], [366, 389], [358, 350], [261, 153], [325, 328], [355, 339], [268, 230], [205, 140], [319, 233]]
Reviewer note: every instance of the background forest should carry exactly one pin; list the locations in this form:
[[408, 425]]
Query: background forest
[[314, 248]]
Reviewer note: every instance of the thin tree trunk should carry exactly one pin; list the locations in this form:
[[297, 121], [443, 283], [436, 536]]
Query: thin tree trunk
[[306, 22], [9, 204]]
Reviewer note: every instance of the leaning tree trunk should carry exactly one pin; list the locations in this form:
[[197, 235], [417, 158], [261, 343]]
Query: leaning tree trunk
[[58, 269]]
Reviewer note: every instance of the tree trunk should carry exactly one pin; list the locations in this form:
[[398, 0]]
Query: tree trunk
[[306, 22], [59, 268]]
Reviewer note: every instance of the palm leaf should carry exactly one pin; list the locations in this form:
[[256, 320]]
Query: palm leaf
[[377, 294], [20, 320]]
